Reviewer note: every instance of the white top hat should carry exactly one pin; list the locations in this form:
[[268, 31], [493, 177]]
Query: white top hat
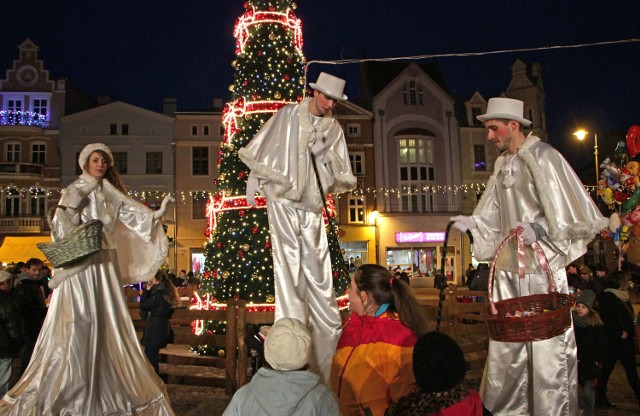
[[332, 87], [506, 108]]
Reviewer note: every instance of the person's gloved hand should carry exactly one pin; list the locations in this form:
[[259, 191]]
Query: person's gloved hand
[[463, 222], [72, 198], [319, 151], [163, 207], [528, 233], [253, 187]]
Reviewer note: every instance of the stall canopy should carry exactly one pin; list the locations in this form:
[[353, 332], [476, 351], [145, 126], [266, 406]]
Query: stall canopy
[[15, 249]]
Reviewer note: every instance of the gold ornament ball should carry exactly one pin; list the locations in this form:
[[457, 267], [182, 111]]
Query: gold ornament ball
[[294, 6], [248, 116], [231, 147], [301, 81], [231, 88], [245, 247], [272, 36], [221, 353], [233, 64], [222, 176], [226, 274], [270, 299], [277, 95]]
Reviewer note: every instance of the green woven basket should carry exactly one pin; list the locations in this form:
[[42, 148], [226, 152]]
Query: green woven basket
[[84, 241]]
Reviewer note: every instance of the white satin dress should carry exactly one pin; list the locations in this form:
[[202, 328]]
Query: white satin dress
[[87, 360]]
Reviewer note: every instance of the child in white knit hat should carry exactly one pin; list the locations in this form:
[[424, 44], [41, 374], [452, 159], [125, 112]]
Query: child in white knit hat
[[284, 386]]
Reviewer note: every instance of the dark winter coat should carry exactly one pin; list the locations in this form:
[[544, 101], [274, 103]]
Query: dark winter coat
[[156, 312], [480, 281], [30, 300], [592, 349], [617, 317], [11, 327]]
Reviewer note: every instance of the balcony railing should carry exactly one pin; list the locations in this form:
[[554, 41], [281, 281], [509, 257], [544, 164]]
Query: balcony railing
[[23, 118], [16, 168], [23, 225]]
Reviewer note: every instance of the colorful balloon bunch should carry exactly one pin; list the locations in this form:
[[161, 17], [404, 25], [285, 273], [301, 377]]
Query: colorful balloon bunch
[[619, 188]]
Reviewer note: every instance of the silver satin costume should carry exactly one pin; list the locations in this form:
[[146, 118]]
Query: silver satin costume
[[87, 360], [536, 185], [279, 155]]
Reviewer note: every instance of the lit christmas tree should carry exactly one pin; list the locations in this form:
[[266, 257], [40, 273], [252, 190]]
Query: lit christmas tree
[[268, 74]]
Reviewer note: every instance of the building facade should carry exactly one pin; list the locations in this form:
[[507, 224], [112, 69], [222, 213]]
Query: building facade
[[31, 106]]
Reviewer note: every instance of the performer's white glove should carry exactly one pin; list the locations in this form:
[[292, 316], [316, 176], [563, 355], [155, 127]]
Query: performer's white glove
[[163, 207], [319, 151], [531, 232], [72, 198], [463, 222], [253, 188]]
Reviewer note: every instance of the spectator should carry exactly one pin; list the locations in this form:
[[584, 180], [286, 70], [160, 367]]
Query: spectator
[[11, 331], [29, 297], [183, 276], [44, 281], [480, 280], [193, 280], [572, 273], [284, 386], [371, 368], [584, 280], [599, 281], [617, 314], [439, 368], [469, 272], [156, 308], [591, 341]]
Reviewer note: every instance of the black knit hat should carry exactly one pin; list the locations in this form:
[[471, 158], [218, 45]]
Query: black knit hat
[[438, 362]]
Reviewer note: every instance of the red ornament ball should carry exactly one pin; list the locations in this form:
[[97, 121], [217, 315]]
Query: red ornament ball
[[218, 245], [287, 77], [207, 274], [267, 245], [255, 230], [240, 253], [336, 274], [245, 5], [242, 174], [241, 213]]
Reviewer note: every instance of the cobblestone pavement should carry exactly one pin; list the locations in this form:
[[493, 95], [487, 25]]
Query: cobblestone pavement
[[210, 401]]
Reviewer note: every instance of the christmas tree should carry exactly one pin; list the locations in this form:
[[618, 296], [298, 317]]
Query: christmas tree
[[268, 74]]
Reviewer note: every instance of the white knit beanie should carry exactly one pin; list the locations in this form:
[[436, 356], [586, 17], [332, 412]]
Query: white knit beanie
[[287, 345], [90, 148]]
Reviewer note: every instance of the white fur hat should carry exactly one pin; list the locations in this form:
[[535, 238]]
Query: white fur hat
[[506, 108], [5, 275], [287, 345], [90, 148], [332, 87]]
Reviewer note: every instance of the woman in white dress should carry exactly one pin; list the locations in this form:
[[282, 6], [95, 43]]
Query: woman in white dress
[[87, 360]]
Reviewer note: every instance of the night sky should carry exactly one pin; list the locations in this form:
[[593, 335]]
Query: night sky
[[142, 51]]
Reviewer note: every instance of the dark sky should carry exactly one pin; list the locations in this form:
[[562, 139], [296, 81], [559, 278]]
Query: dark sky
[[140, 51]]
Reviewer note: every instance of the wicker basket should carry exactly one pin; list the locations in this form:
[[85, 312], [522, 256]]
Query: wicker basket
[[551, 312], [82, 242]]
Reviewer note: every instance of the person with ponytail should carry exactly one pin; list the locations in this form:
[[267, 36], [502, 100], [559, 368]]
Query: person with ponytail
[[372, 366]]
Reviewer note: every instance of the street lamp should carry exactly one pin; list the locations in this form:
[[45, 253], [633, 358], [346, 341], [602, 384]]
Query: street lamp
[[581, 134], [374, 215]]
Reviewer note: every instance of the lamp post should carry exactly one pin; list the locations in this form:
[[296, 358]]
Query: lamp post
[[581, 134], [374, 215]]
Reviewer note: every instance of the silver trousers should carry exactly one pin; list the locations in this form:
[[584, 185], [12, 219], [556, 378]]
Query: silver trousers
[[303, 278]]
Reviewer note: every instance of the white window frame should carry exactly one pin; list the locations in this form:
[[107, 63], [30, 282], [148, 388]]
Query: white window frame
[[11, 198], [353, 129], [13, 152], [356, 209], [416, 162], [42, 152], [357, 163]]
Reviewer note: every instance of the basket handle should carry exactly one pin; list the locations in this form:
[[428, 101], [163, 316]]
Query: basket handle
[[517, 234]]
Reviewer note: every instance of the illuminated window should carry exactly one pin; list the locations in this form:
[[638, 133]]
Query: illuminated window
[[417, 172], [356, 210]]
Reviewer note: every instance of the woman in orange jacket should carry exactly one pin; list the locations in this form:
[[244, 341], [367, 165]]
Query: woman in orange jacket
[[372, 366]]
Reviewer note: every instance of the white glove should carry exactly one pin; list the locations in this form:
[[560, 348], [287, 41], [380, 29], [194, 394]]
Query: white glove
[[72, 198], [319, 151], [528, 233], [463, 222], [163, 207], [253, 188]]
